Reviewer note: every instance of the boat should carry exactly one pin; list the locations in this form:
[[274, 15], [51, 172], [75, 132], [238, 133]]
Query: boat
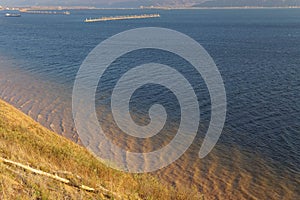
[[12, 15]]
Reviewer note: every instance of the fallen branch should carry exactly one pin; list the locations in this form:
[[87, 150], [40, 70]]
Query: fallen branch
[[109, 192], [55, 177], [99, 187]]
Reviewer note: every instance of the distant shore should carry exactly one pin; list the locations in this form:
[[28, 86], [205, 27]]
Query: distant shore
[[32, 8]]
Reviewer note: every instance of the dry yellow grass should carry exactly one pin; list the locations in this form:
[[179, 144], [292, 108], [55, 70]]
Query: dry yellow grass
[[25, 141]]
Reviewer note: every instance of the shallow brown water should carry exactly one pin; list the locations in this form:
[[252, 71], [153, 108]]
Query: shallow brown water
[[229, 172]]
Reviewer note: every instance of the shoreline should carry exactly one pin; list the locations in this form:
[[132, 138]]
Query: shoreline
[[44, 101], [60, 8], [54, 167]]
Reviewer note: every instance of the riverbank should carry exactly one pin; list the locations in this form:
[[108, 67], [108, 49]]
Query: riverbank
[[24, 141]]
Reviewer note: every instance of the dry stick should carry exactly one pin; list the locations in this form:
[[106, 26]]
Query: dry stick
[[108, 191], [36, 171], [98, 186], [66, 181]]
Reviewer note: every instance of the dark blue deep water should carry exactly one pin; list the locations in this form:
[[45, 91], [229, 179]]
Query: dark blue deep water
[[257, 53]]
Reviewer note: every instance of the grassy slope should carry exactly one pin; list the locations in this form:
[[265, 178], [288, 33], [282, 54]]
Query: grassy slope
[[25, 141]]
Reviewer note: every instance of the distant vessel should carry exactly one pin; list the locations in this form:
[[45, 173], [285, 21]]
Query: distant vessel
[[12, 15], [121, 18]]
